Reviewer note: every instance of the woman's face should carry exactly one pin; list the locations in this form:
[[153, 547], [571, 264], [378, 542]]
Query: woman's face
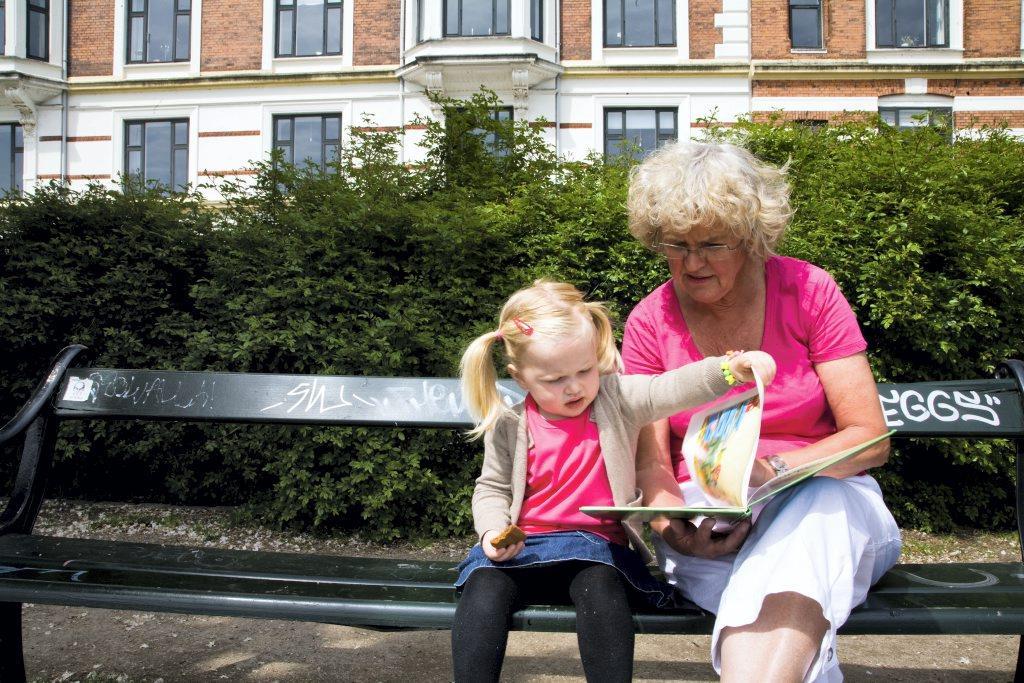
[[710, 278]]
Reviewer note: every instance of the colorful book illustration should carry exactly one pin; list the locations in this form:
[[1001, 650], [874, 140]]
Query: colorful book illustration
[[720, 447]]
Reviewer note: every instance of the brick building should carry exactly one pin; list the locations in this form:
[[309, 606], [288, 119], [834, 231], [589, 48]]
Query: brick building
[[191, 90]]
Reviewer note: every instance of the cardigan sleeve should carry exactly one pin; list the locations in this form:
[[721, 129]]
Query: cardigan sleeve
[[646, 398], [492, 496]]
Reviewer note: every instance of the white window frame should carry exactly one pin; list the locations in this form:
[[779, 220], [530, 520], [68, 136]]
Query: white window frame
[[896, 55], [299, 108], [126, 71], [639, 55], [155, 113], [317, 64], [680, 101]]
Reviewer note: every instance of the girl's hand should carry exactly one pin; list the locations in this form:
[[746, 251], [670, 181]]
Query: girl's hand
[[499, 554], [743, 365]]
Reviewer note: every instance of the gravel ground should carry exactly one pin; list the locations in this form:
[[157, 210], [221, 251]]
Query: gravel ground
[[75, 644]]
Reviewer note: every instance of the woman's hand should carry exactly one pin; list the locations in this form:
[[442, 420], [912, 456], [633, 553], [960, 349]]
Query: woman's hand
[[744, 365], [698, 541], [499, 554]]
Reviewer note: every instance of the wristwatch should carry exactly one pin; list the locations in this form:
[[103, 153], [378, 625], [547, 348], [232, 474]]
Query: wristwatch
[[778, 464]]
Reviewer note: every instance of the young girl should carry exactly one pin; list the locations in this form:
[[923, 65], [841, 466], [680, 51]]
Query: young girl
[[571, 443]]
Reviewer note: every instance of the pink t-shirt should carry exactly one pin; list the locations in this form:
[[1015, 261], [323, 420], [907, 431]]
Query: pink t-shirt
[[807, 320], [565, 470]]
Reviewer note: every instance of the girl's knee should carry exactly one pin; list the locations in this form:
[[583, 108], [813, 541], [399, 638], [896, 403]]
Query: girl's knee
[[488, 585]]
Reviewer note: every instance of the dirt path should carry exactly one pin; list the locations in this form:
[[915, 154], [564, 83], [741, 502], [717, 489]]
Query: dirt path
[[75, 644]]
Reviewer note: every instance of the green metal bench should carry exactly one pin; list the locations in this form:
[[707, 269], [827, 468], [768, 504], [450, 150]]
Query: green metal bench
[[398, 594]]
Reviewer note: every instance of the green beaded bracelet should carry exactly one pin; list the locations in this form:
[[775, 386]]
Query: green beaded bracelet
[[730, 378]]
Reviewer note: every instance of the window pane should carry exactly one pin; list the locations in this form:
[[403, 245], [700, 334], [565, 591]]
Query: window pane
[[309, 22], [134, 162], [284, 32], [667, 121], [334, 30], [307, 139], [37, 34], [666, 22], [804, 24], [6, 155], [640, 129], [181, 133], [19, 141], [937, 22], [451, 17], [180, 169], [135, 135], [888, 115], [184, 5], [613, 22], [913, 118], [537, 19], [883, 23], [332, 128], [136, 34], [3, 28], [639, 23], [19, 171], [284, 130], [182, 39], [38, 3], [476, 17], [138, 5], [909, 23], [158, 152], [501, 13], [615, 121], [331, 152], [159, 40]]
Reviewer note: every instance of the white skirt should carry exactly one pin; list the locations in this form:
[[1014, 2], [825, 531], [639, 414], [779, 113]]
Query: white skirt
[[829, 539]]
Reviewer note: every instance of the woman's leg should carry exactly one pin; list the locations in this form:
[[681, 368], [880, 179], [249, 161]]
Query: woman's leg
[[482, 619], [604, 622]]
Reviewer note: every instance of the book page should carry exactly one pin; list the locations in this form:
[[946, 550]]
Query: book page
[[720, 446]]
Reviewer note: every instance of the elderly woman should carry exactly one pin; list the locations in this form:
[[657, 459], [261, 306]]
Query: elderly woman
[[780, 588]]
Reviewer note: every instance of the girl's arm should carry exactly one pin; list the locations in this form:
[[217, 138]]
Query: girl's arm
[[492, 496]]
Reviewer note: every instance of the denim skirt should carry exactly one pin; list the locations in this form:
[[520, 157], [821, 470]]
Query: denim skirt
[[564, 546]]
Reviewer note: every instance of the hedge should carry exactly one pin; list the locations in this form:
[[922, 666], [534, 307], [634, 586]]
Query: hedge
[[376, 268]]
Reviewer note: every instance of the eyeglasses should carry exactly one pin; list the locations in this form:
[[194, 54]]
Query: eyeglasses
[[705, 252]]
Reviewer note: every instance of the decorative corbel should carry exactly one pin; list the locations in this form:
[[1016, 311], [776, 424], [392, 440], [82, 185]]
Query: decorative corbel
[[520, 91], [26, 109], [435, 86]]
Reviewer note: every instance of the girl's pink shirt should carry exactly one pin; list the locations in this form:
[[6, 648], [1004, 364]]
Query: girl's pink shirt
[[807, 320], [565, 470]]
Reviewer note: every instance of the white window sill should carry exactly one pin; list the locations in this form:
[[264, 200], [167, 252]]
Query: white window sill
[[160, 70], [912, 55], [288, 65]]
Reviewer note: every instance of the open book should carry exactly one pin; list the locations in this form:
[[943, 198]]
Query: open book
[[720, 447]]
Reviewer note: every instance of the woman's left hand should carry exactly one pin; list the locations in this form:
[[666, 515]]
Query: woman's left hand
[[762, 473]]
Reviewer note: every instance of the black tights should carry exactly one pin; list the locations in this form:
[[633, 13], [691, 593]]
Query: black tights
[[604, 625]]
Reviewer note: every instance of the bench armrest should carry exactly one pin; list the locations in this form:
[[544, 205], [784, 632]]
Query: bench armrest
[[42, 394]]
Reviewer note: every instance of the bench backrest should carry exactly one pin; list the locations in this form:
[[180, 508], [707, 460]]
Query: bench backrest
[[976, 408]]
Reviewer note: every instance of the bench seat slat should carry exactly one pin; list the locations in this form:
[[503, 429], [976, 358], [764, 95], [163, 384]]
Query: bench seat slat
[[381, 593]]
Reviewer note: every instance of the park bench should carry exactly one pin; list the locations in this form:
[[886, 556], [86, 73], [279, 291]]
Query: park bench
[[398, 594]]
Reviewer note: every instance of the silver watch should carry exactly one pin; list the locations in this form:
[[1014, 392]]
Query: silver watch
[[778, 464]]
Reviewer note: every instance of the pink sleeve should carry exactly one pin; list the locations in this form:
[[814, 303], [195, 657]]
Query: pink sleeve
[[640, 352], [833, 331]]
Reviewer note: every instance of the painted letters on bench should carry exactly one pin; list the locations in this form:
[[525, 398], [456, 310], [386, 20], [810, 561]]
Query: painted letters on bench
[[967, 406]]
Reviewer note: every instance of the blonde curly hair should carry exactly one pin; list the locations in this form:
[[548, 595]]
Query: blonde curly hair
[[694, 184]]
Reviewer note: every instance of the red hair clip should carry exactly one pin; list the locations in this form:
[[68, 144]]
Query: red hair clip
[[523, 327]]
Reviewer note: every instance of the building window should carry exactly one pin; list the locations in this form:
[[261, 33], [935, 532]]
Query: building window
[[419, 21], [911, 23], [917, 117], [308, 28], [156, 153], [638, 132], [311, 140], [805, 24], [3, 27], [537, 20], [159, 31], [12, 149], [492, 142], [477, 17], [39, 29], [640, 23]]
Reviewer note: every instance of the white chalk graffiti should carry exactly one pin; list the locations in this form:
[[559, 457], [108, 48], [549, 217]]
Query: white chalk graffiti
[[912, 405]]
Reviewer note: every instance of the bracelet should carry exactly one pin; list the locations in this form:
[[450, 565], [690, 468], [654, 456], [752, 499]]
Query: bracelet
[[730, 378]]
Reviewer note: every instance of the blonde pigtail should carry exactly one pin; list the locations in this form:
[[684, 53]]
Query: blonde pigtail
[[608, 358], [479, 389]]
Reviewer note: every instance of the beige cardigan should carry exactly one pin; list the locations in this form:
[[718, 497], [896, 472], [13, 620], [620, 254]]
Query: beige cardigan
[[624, 404]]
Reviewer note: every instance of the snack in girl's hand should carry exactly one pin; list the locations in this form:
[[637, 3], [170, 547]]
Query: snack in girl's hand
[[510, 536]]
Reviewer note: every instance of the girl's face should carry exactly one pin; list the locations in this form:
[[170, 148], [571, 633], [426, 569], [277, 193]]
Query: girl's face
[[560, 374]]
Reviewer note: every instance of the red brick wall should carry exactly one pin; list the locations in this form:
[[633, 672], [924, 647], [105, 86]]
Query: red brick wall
[[843, 26], [991, 28], [91, 38], [977, 119], [232, 35], [1013, 87], [703, 33], [575, 29], [830, 88], [375, 39]]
